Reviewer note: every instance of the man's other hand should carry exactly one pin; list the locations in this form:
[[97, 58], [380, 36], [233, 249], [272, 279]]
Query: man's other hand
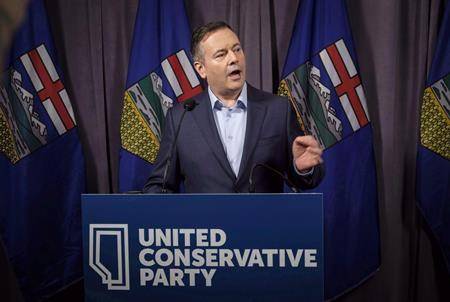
[[307, 153]]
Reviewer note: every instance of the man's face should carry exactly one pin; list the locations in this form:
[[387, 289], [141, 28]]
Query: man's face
[[222, 62]]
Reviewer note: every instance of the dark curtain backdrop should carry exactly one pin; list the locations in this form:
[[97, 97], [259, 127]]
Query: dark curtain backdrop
[[394, 40]]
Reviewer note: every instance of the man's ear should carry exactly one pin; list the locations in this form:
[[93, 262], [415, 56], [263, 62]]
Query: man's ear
[[200, 68]]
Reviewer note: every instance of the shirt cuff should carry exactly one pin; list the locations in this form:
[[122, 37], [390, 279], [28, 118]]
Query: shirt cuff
[[307, 173]]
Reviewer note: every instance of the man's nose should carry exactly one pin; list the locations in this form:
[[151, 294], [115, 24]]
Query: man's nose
[[232, 57]]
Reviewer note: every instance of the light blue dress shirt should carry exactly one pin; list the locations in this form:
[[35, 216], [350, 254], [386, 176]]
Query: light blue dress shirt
[[231, 124]]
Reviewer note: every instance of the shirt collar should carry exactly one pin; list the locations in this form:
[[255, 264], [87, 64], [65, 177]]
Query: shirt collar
[[242, 98]]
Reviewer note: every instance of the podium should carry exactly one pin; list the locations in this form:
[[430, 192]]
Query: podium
[[203, 247]]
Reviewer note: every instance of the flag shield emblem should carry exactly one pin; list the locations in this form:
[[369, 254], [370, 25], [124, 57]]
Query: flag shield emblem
[[29, 113]]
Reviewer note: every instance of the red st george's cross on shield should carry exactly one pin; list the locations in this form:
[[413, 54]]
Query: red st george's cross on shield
[[49, 87], [345, 79], [181, 76]]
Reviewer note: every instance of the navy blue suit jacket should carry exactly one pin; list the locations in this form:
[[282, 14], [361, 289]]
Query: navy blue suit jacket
[[199, 159]]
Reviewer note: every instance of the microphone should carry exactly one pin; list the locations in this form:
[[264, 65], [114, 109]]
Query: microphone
[[188, 105], [273, 170]]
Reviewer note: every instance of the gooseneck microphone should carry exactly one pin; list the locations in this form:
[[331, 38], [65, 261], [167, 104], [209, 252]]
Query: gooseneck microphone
[[188, 105], [273, 170]]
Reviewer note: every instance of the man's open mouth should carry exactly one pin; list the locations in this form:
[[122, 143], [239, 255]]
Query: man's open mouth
[[235, 74]]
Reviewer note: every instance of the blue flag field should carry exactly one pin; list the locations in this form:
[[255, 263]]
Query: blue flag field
[[433, 158], [159, 73], [41, 162], [322, 82]]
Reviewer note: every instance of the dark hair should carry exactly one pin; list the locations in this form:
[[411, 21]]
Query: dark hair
[[201, 32]]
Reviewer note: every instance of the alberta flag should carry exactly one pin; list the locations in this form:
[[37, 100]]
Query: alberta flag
[[433, 158], [159, 74], [322, 82], [41, 163]]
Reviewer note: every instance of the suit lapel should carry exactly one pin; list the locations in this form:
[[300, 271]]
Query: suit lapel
[[256, 113], [203, 116]]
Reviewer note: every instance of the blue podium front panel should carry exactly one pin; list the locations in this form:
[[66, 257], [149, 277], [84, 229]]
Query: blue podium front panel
[[186, 247]]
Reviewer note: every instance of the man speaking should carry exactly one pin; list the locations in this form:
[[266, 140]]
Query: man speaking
[[232, 138]]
